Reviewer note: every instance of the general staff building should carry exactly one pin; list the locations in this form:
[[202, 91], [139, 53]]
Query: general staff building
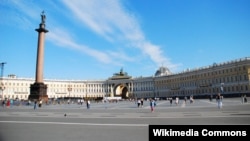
[[230, 78]]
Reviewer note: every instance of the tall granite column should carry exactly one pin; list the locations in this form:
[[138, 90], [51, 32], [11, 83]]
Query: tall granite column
[[38, 90]]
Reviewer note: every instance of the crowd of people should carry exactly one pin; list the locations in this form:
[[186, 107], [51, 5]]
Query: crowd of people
[[151, 102]]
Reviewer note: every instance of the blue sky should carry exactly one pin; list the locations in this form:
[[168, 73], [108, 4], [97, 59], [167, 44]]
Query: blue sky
[[93, 39]]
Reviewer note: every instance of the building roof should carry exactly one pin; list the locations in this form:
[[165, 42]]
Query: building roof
[[162, 71]]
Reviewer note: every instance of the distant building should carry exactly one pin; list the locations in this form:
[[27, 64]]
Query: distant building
[[230, 78]]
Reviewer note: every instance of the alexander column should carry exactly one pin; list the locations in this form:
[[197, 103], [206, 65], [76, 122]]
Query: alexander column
[[38, 90]]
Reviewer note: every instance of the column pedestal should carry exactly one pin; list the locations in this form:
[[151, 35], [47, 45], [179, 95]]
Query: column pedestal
[[38, 91]]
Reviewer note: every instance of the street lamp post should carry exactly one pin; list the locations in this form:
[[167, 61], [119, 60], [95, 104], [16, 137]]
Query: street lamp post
[[222, 88], [69, 89], [2, 87], [86, 95], [2, 67], [107, 91]]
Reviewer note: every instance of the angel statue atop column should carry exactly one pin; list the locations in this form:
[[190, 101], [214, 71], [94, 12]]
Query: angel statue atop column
[[43, 17]]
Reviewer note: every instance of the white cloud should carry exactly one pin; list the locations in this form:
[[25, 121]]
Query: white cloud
[[27, 7], [110, 20], [17, 13], [62, 38]]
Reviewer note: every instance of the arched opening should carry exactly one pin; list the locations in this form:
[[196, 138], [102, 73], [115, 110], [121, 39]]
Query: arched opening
[[125, 93], [122, 91]]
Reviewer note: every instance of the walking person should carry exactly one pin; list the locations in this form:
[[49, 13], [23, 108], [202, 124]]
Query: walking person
[[88, 104], [35, 104], [40, 103], [11, 103], [3, 103], [152, 105], [171, 101], [142, 102], [191, 98], [185, 99], [245, 99], [176, 101], [211, 98], [8, 103], [81, 101], [242, 99], [219, 100], [138, 103]]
